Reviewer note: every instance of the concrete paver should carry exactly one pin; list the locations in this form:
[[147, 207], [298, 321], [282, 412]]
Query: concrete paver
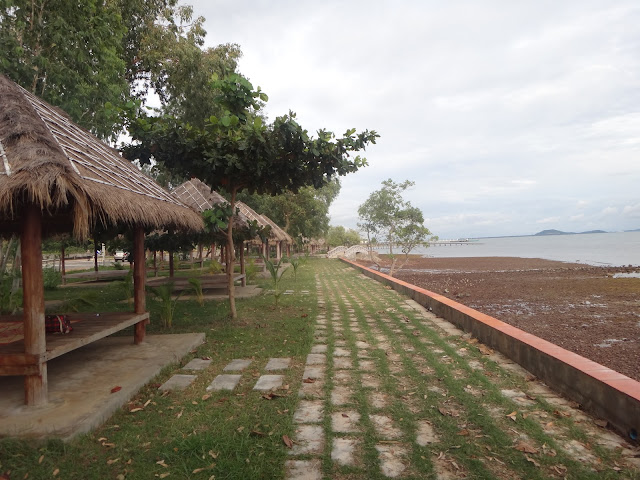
[[269, 382], [303, 470], [224, 382], [237, 364], [309, 439], [197, 364], [309, 411], [177, 382], [277, 364], [343, 451]]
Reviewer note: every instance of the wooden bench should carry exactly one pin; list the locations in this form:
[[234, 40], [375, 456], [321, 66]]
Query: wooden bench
[[208, 282], [87, 328]]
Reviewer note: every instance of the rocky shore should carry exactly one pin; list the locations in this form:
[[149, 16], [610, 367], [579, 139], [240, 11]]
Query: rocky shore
[[579, 307]]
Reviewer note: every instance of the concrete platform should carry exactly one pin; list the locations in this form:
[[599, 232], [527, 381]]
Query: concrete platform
[[80, 384]]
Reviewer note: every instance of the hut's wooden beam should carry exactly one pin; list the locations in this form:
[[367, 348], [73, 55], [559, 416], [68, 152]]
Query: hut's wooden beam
[[35, 386], [139, 280]]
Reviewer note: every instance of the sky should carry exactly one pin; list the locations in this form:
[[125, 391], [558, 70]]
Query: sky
[[510, 117]]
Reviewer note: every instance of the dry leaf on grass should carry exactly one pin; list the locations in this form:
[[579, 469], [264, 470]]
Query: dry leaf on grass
[[484, 349], [42, 458], [287, 441], [309, 380], [116, 389], [206, 396], [111, 461], [162, 464], [134, 410], [529, 459], [513, 415], [164, 475], [523, 446]]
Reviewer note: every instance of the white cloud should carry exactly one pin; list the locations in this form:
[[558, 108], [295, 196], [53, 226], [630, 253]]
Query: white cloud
[[503, 112]]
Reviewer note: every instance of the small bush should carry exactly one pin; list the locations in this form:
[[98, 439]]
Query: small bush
[[51, 278]]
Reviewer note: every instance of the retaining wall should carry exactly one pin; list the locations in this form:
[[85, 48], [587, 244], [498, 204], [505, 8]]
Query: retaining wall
[[604, 392]]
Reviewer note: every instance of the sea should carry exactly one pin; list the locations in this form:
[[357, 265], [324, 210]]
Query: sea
[[603, 249]]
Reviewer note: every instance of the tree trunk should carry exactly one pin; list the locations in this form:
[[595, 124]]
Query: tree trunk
[[5, 258], [95, 255], [230, 259], [63, 270]]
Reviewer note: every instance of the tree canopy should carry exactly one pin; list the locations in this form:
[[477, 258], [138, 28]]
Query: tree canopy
[[386, 212], [237, 151]]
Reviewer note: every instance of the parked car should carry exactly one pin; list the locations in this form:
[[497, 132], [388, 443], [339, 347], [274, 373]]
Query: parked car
[[119, 256]]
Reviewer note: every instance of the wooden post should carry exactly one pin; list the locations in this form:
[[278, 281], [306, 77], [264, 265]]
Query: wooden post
[[95, 255], [243, 268], [35, 342], [63, 270], [139, 280]]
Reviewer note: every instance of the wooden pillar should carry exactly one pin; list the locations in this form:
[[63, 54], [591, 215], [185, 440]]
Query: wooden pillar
[[139, 280], [63, 270], [95, 255], [278, 250], [35, 343], [243, 269]]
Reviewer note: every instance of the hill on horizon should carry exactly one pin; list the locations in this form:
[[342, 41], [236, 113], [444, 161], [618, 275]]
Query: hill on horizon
[[560, 232]]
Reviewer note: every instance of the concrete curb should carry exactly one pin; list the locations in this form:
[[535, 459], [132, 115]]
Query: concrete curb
[[603, 392]]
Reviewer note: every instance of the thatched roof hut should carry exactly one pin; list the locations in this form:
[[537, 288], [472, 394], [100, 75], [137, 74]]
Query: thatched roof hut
[[198, 195], [57, 177], [277, 234], [77, 180]]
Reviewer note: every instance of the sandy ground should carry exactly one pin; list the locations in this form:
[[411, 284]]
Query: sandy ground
[[579, 307]]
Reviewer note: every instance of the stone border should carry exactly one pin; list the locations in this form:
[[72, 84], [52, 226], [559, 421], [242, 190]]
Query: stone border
[[598, 389]]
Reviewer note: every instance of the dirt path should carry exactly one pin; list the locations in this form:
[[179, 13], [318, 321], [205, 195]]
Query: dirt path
[[391, 391]]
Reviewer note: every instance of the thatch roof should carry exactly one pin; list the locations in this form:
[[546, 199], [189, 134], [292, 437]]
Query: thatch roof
[[277, 233], [198, 195], [76, 180]]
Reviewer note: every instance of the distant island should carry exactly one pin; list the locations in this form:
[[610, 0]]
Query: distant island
[[559, 232]]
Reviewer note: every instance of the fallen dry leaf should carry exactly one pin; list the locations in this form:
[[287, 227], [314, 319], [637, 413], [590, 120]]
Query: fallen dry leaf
[[287, 441], [213, 454], [206, 396], [134, 410], [513, 415], [309, 380], [180, 414], [257, 433], [523, 446], [162, 464], [40, 459], [463, 432], [529, 459], [56, 472], [484, 349], [116, 389], [111, 461], [239, 429], [164, 475]]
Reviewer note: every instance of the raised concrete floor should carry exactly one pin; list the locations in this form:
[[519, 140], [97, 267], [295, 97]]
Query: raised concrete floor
[[81, 381]]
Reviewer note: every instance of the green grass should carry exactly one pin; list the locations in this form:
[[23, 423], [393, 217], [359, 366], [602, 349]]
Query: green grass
[[238, 434]]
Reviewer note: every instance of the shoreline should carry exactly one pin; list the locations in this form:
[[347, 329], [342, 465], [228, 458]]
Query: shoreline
[[579, 307]]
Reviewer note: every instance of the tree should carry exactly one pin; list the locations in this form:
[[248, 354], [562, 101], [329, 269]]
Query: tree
[[237, 151], [400, 223], [93, 58], [338, 236], [303, 215]]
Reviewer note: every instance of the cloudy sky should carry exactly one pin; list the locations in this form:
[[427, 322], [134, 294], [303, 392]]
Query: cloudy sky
[[510, 117]]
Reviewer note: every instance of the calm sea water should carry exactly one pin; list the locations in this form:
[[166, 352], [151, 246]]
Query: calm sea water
[[614, 249]]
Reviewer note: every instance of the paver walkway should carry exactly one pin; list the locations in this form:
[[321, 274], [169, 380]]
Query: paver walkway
[[391, 391]]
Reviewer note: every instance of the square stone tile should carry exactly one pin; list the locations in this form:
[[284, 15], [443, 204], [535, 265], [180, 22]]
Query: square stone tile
[[277, 364], [237, 364], [309, 411], [309, 439], [197, 364], [268, 382], [316, 359], [345, 421], [178, 382], [224, 382]]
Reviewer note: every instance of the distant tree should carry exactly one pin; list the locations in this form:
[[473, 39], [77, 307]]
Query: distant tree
[[303, 215], [338, 236], [387, 213], [237, 151]]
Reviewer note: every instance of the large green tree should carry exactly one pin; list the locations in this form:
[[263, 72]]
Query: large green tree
[[237, 151], [92, 58], [303, 215], [337, 236], [387, 213]]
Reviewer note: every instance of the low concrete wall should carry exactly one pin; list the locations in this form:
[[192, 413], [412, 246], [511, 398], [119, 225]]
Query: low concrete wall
[[603, 392]]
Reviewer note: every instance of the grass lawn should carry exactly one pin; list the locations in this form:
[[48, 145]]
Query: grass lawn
[[394, 365]]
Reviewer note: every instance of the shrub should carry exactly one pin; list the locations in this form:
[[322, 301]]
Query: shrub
[[51, 278]]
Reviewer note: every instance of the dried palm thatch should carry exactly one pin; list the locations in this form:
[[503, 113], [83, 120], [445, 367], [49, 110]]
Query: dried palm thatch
[[199, 196], [277, 233], [77, 181]]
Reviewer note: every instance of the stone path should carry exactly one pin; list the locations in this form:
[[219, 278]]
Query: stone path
[[388, 381]]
